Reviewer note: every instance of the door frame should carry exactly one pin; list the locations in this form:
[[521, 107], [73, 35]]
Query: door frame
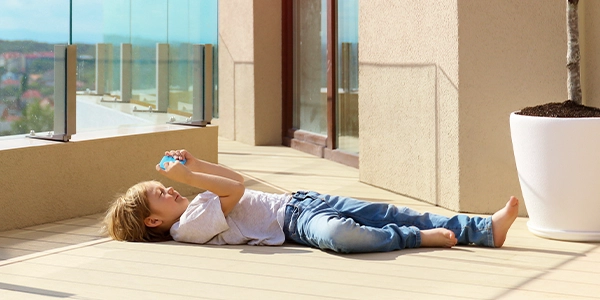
[[316, 144]]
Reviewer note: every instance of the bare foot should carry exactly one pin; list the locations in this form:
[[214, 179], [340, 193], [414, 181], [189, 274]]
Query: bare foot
[[503, 219], [438, 237]]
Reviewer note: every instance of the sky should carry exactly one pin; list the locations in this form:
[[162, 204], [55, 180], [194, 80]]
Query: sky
[[156, 20], [48, 20]]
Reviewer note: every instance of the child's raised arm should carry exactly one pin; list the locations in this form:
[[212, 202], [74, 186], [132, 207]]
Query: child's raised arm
[[229, 190]]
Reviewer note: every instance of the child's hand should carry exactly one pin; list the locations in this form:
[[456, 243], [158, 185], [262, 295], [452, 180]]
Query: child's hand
[[182, 155], [175, 171]]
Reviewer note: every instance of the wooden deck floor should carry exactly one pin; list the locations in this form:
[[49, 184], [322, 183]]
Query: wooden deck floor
[[69, 259]]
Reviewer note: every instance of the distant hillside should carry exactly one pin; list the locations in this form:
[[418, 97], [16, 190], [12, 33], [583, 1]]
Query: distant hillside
[[32, 46], [24, 46]]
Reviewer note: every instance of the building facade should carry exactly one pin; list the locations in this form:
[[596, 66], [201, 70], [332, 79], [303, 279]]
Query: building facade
[[437, 83], [415, 94]]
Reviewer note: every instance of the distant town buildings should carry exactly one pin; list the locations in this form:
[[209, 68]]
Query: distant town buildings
[[24, 78]]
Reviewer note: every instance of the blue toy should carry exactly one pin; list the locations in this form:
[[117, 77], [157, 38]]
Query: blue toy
[[168, 159]]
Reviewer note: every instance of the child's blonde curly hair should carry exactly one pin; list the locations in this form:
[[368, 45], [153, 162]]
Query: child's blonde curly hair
[[124, 220]]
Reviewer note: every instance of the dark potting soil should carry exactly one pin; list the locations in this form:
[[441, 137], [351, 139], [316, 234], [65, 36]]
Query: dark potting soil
[[567, 109]]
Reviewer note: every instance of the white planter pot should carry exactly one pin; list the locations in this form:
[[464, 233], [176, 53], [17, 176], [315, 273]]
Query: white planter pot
[[558, 163]]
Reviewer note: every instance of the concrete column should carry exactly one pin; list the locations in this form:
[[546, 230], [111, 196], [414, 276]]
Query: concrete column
[[250, 71], [437, 84]]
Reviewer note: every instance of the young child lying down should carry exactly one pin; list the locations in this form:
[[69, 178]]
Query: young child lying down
[[228, 213]]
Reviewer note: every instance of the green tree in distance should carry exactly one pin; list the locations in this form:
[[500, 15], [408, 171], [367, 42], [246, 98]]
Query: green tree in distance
[[35, 117]]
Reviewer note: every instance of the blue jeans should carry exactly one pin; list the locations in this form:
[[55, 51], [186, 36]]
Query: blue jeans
[[348, 225]]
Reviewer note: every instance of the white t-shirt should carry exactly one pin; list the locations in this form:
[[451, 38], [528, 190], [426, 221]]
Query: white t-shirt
[[256, 220]]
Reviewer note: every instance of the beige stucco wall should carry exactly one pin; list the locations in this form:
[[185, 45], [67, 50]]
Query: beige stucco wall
[[408, 107], [512, 54], [438, 80], [250, 71], [55, 181], [589, 10]]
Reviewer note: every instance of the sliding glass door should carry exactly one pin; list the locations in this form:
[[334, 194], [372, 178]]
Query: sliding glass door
[[310, 65], [321, 91]]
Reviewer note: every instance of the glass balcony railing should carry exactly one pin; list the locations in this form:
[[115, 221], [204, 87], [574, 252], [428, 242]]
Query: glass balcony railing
[[137, 62], [27, 75]]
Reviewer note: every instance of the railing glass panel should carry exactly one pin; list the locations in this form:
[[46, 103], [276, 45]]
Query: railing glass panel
[[116, 31], [149, 21], [180, 58], [87, 20], [28, 32], [204, 29], [191, 23]]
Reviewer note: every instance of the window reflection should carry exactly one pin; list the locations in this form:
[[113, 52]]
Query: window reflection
[[347, 72], [310, 65]]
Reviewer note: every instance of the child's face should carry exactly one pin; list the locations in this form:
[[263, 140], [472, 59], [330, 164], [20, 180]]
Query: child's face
[[166, 204]]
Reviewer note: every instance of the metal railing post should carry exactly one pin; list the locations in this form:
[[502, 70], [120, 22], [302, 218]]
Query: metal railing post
[[197, 82], [101, 66], [126, 89], [202, 86], [65, 92], [208, 83], [162, 77]]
